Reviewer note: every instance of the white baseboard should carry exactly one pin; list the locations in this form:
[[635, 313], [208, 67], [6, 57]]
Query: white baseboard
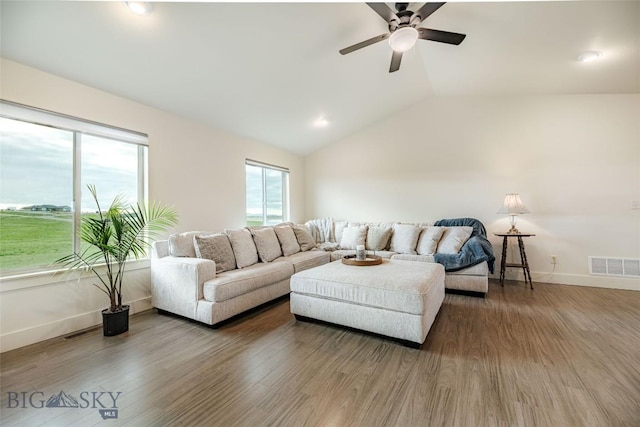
[[63, 327], [609, 282]]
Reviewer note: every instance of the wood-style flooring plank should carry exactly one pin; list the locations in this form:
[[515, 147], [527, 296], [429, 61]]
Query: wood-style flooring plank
[[555, 356]]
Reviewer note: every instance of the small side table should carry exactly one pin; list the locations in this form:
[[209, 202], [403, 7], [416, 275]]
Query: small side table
[[523, 257]]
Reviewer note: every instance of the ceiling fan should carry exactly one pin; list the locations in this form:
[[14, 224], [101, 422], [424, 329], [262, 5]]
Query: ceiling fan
[[404, 32]]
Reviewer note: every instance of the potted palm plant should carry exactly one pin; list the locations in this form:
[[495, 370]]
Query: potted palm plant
[[112, 238]]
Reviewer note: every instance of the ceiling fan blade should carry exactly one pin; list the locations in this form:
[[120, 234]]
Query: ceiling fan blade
[[384, 11], [395, 61], [440, 36], [365, 43], [424, 12]]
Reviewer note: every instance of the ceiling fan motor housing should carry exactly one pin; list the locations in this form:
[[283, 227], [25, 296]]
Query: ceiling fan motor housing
[[400, 7], [405, 20]]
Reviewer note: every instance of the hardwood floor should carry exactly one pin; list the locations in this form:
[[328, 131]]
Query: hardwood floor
[[555, 356]]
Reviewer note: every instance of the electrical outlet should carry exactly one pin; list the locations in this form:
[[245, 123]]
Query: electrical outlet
[[635, 204], [554, 259]]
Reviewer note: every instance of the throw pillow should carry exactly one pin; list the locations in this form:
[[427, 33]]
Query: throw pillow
[[338, 228], [287, 239], [267, 243], [404, 238], [304, 237], [181, 244], [216, 247], [353, 236], [429, 238], [378, 238], [243, 247], [453, 238]]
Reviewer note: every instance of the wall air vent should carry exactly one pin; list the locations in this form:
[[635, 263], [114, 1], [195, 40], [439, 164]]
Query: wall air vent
[[607, 266]]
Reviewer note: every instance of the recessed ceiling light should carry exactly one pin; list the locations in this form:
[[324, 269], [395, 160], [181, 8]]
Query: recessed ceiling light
[[589, 56], [321, 122], [139, 7]]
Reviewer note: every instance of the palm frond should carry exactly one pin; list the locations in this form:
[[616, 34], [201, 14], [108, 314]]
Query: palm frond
[[113, 237]]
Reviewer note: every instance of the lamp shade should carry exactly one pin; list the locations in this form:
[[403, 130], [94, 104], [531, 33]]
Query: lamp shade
[[513, 205], [403, 39]]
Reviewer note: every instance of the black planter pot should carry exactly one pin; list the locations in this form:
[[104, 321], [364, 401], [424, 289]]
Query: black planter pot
[[115, 323]]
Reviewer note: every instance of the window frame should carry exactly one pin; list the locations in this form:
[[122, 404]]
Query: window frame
[[79, 127], [285, 189]]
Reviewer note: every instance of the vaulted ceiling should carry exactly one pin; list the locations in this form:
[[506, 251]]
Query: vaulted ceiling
[[268, 71]]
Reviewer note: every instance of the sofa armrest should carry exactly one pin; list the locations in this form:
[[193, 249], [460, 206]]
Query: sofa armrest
[[176, 283]]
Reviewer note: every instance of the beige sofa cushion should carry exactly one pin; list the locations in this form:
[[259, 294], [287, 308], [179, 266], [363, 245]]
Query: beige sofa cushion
[[409, 257], [353, 236], [481, 269], [243, 247], [378, 238], [453, 238], [239, 282], [287, 238], [305, 260], [404, 238], [429, 238], [267, 243], [341, 253], [304, 237], [216, 247]]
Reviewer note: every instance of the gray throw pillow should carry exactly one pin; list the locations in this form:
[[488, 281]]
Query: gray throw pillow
[[243, 247], [266, 243], [378, 238], [181, 244], [216, 247], [287, 239], [304, 237]]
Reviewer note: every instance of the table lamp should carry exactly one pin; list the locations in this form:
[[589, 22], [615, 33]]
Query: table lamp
[[513, 207]]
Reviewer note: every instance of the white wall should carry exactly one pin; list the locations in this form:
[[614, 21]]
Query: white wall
[[193, 167], [575, 160]]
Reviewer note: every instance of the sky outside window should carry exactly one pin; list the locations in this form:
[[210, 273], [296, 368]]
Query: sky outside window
[[112, 167], [36, 165]]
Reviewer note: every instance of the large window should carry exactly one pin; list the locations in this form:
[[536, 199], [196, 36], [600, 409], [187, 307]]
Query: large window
[[46, 162], [267, 193]]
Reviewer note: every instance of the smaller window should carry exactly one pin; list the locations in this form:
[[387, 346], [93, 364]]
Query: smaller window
[[267, 193]]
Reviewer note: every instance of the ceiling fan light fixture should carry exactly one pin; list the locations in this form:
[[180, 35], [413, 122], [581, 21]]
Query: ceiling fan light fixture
[[139, 7], [589, 56], [403, 39]]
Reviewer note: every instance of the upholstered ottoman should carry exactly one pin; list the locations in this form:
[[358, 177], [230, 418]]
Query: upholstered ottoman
[[398, 299]]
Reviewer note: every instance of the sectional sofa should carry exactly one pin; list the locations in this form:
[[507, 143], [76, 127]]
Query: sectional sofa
[[459, 244], [211, 277]]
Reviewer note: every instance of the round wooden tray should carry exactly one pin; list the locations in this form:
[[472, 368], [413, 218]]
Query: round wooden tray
[[370, 260]]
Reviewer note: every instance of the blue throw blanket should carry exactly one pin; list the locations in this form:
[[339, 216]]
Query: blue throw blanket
[[476, 250]]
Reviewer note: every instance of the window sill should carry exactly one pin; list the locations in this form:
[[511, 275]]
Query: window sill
[[49, 277]]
